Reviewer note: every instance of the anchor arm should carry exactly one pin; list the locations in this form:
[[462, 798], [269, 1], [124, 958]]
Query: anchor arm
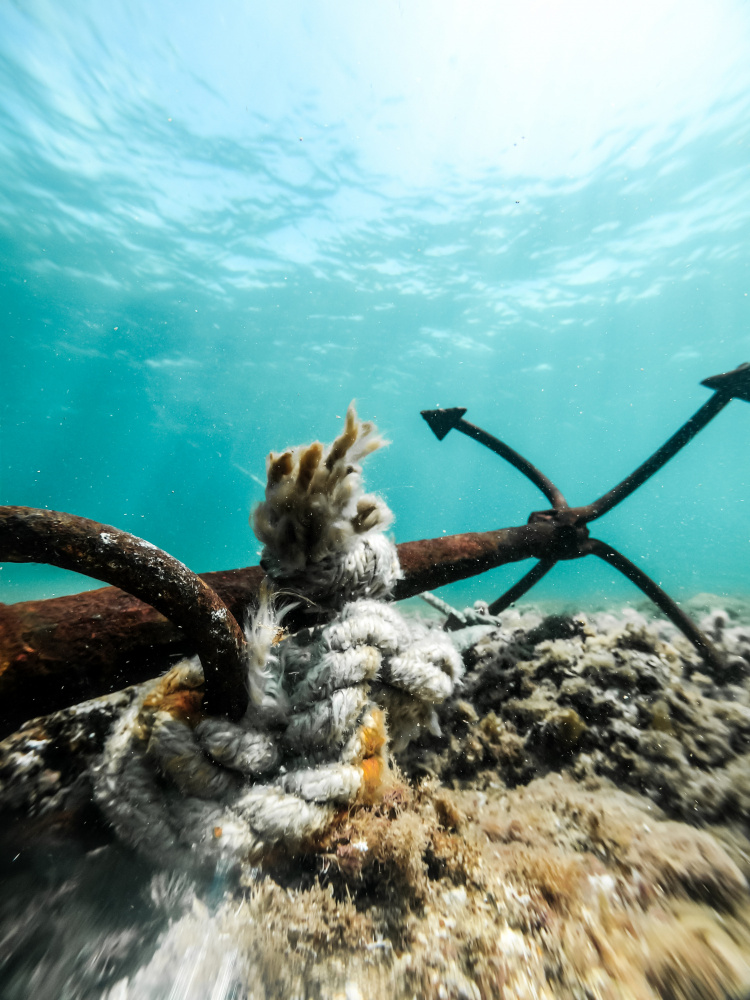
[[525, 584], [442, 421], [731, 385], [662, 600]]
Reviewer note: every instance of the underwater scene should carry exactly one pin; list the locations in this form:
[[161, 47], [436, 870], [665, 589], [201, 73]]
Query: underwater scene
[[375, 500]]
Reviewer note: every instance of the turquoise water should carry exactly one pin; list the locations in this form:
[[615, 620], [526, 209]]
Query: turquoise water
[[218, 228]]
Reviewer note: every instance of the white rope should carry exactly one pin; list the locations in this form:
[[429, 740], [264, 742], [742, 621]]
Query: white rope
[[324, 703]]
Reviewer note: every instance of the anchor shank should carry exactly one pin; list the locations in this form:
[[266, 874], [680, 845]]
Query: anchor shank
[[434, 562], [66, 649]]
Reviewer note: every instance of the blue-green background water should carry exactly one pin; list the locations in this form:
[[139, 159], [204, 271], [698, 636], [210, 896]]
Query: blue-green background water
[[221, 222]]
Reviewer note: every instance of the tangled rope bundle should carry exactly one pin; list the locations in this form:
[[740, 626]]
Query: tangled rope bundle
[[323, 536], [325, 704]]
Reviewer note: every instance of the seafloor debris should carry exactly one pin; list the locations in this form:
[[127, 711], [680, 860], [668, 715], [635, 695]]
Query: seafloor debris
[[553, 891]]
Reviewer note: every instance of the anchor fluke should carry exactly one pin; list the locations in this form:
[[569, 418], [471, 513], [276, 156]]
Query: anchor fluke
[[735, 384], [442, 421]]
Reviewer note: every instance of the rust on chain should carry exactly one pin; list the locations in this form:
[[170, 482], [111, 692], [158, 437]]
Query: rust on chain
[[78, 653]]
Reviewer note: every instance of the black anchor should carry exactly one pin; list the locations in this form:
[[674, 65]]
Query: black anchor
[[570, 537]]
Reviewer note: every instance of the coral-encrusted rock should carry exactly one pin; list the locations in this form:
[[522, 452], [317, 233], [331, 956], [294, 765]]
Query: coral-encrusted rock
[[616, 696], [44, 765]]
